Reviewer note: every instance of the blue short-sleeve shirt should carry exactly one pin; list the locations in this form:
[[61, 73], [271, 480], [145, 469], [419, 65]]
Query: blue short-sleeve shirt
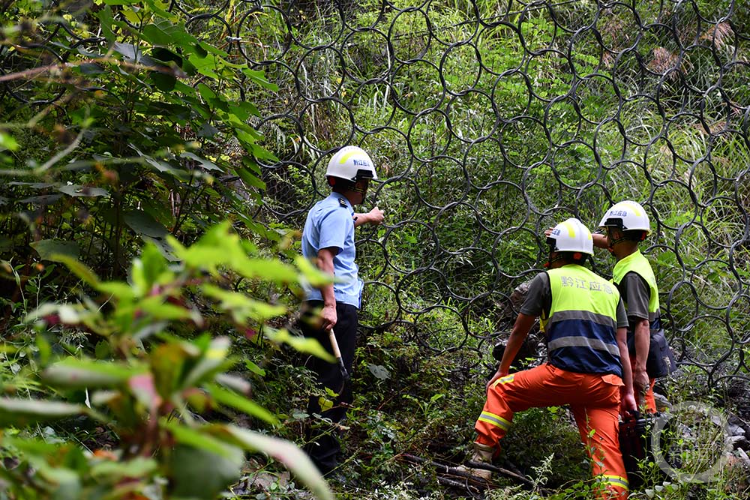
[[330, 223]]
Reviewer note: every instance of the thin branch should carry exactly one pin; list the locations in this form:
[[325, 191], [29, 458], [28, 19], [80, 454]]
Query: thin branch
[[62, 154]]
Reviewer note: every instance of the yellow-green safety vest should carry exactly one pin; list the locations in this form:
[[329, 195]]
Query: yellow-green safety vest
[[640, 265], [582, 324]]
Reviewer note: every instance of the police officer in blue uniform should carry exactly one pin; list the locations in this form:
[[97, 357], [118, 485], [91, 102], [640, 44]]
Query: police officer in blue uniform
[[328, 239]]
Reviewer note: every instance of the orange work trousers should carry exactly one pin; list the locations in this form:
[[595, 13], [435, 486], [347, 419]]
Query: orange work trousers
[[594, 400], [649, 401]]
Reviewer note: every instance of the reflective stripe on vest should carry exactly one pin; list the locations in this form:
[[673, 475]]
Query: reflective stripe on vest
[[637, 263], [582, 324]]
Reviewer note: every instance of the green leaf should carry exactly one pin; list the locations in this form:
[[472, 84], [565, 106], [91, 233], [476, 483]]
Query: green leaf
[[142, 223], [229, 398], [159, 309], [204, 163], [255, 368], [83, 191], [301, 344], [73, 373], [250, 179], [22, 412], [379, 371], [163, 81], [271, 270], [205, 65], [79, 269], [107, 21], [113, 471], [260, 78], [118, 289], [155, 35], [8, 143], [102, 350], [196, 439], [51, 249], [285, 452], [314, 276], [167, 364], [150, 269], [197, 473], [236, 383], [214, 358], [241, 306]]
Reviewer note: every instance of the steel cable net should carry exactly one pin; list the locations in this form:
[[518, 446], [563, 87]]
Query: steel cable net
[[491, 121]]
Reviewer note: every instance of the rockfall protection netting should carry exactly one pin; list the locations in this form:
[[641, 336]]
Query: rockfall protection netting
[[490, 121]]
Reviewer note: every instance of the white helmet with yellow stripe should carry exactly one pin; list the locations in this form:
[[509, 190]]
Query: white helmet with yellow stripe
[[627, 216], [571, 236], [351, 163]]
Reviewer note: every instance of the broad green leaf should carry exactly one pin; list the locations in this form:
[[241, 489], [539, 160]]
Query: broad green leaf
[[163, 81], [204, 163], [197, 473], [301, 344], [284, 451], [142, 223], [49, 249], [214, 357], [118, 289], [250, 178], [155, 35], [102, 350], [115, 470], [255, 368], [195, 438], [236, 383], [73, 373], [159, 309], [260, 78], [272, 270], [229, 398], [22, 412], [66, 483], [241, 306], [79, 269], [314, 276], [379, 371], [167, 364], [129, 51], [150, 270], [7, 142], [205, 65], [83, 191]]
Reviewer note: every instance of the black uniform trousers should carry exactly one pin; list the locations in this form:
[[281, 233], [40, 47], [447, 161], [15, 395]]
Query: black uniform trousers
[[324, 446]]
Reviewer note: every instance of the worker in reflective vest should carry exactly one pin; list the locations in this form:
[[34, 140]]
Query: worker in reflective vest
[[585, 325], [626, 224]]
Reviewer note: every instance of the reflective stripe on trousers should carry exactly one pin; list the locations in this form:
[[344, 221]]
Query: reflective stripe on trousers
[[593, 398]]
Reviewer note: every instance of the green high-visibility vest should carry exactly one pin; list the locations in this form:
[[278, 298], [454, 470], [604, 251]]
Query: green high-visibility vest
[[660, 361], [639, 264]]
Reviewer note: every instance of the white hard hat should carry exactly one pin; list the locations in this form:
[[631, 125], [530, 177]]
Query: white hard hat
[[351, 163], [628, 216], [571, 236]]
